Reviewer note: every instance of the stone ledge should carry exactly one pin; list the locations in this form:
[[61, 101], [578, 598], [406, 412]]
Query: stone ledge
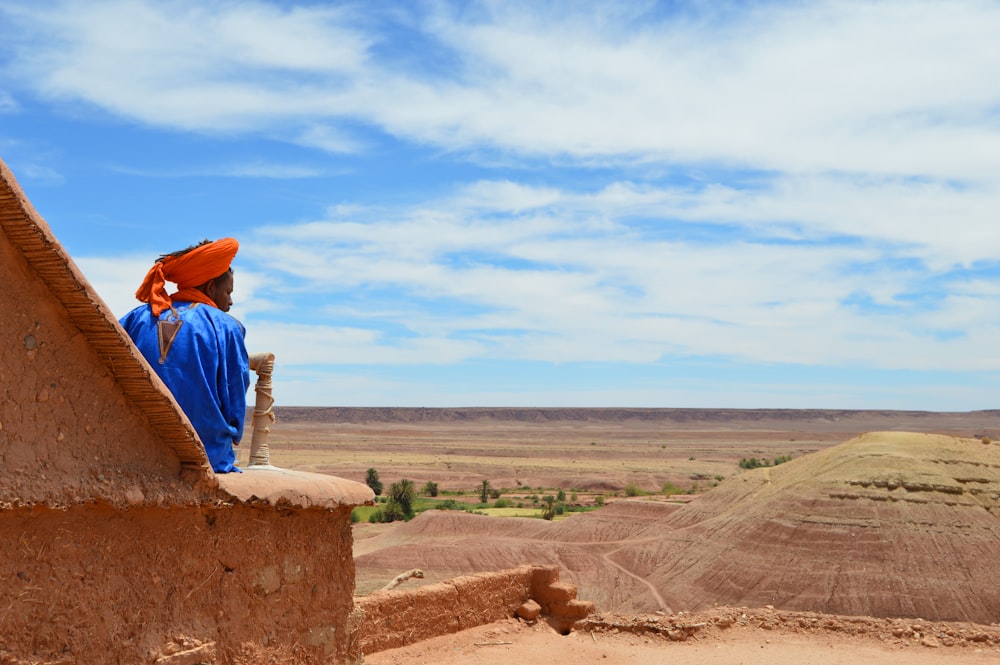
[[296, 489]]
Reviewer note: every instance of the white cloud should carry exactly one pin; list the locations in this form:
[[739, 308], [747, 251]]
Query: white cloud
[[328, 138], [247, 169], [274, 171], [506, 196], [850, 86], [304, 386], [320, 344], [810, 183], [41, 173], [534, 287], [189, 64], [7, 103], [477, 277], [892, 87], [115, 279], [936, 222]]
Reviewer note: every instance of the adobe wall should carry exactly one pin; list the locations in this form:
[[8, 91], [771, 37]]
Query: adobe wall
[[117, 542], [67, 432], [222, 584], [390, 619]]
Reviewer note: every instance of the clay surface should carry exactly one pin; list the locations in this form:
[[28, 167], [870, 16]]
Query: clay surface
[[93, 584], [67, 432]]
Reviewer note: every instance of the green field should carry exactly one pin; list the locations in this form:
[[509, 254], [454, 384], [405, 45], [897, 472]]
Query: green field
[[364, 513]]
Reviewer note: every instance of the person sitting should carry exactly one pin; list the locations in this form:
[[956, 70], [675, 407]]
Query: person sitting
[[194, 345]]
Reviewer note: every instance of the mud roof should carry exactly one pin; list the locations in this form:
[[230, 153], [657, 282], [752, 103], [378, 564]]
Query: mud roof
[[31, 236]]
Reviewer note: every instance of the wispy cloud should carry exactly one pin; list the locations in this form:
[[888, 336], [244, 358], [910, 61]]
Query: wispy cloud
[[546, 284], [40, 173], [7, 102], [547, 184], [889, 88], [254, 169], [188, 64], [116, 279]]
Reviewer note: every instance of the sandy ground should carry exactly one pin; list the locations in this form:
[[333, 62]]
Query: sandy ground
[[514, 642]]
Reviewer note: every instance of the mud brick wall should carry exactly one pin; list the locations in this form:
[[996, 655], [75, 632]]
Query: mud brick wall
[[227, 584], [390, 619], [68, 433]]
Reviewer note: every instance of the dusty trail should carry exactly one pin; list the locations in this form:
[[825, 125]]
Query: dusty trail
[[652, 589]]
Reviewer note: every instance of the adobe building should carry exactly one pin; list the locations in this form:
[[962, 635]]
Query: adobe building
[[119, 544], [117, 541]]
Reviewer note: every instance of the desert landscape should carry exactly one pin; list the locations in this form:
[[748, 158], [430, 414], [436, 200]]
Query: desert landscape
[[594, 449], [471, 238], [878, 533], [721, 535]]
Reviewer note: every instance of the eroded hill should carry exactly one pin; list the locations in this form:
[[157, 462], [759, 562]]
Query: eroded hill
[[886, 524]]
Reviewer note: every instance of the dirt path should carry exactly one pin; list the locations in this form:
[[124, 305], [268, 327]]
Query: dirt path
[[652, 589], [514, 642]]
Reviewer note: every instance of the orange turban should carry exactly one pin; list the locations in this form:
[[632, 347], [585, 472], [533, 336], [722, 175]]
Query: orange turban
[[188, 270]]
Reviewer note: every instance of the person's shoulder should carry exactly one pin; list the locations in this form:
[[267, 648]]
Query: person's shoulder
[[218, 318], [136, 314], [215, 313]]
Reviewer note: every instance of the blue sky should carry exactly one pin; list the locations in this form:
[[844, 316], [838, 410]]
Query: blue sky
[[647, 204]]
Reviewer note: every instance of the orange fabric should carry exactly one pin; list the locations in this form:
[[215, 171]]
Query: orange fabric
[[187, 271], [191, 295]]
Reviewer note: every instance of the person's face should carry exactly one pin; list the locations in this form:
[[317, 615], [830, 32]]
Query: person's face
[[221, 291]]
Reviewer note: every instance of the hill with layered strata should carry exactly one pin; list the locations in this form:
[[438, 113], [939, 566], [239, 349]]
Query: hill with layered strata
[[886, 524]]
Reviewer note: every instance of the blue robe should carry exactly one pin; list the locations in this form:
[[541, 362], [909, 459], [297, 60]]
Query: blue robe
[[206, 369]]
